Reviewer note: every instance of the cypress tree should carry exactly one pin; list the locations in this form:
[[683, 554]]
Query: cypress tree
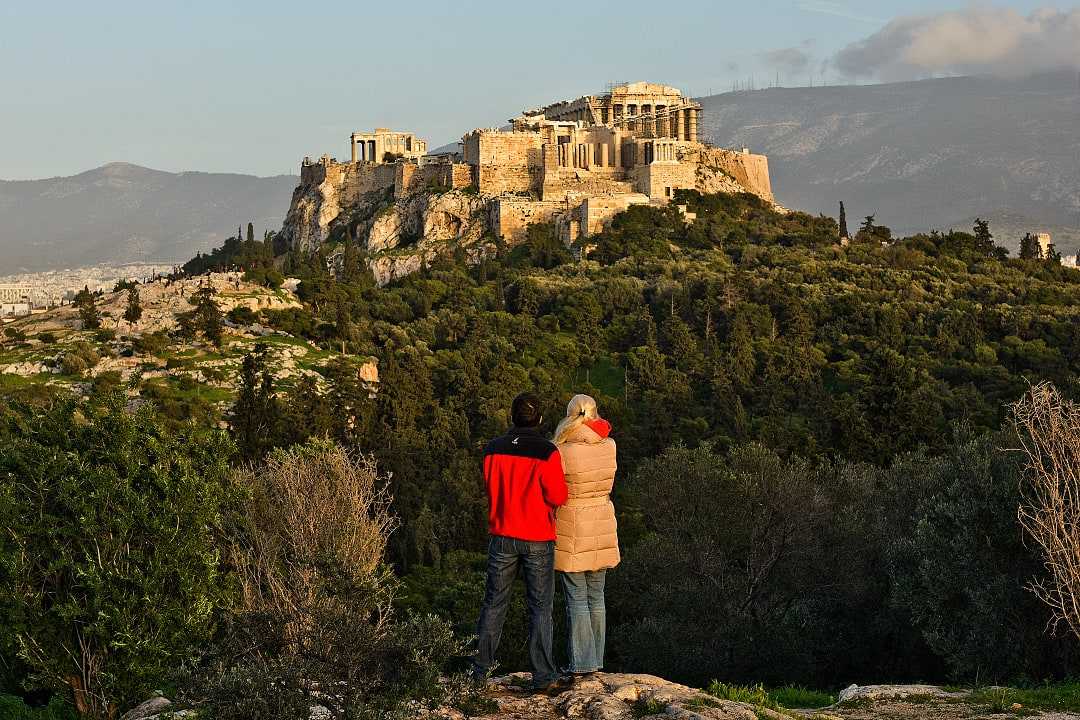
[[251, 233], [88, 312], [1029, 248], [843, 221], [133, 311]]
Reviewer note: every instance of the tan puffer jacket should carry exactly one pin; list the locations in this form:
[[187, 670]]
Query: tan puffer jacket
[[587, 537]]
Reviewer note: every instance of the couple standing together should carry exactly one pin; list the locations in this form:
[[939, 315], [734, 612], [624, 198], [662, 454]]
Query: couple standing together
[[549, 509]]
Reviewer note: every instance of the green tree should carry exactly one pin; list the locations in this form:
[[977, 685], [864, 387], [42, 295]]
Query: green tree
[[250, 233], [207, 316], [134, 310], [1030, 248], [256, 415], [86, 302], [962, 570], [110, 567], [729, 551], [981, 230]]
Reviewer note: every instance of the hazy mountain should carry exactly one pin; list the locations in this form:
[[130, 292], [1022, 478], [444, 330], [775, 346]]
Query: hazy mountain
[[127, 213], [918, 155]]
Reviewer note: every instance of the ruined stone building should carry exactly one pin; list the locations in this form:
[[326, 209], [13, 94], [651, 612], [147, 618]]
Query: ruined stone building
[[575, 163], [385, 145]]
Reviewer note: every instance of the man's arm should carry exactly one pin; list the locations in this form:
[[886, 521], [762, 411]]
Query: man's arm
[[553, 481]]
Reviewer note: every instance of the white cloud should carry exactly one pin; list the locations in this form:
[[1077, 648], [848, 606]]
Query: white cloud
[[977, 40]]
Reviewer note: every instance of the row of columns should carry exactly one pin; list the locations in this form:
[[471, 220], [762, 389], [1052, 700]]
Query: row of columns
[[586, 155], [364, 151], [680, 123], [604, 155]]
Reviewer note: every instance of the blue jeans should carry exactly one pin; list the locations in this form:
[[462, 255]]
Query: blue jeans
[[586, 619], [537, 559]]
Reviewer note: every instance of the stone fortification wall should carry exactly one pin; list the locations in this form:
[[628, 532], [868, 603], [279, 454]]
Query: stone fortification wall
[[510, 217], [506, 162], [560, 183], [596, 212], [661, 179], [411, 178]]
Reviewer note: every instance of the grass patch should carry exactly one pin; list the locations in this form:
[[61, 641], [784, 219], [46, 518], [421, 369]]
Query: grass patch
[[755, 695], [795, 696], [700, 703], [776, 699], [1063, 696], [646, 707]]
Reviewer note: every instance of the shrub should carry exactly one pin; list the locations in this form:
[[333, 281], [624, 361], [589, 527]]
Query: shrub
[[109, 564], [72, 364], [79, 358], [13, 708], [316, 607], [243, 315], [104, 335], [151, 344], [47, 338]]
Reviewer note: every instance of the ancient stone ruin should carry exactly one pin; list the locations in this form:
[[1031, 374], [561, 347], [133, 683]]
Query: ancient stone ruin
[[575, 164]]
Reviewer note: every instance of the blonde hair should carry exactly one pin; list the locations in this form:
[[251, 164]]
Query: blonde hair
[[580, 409]]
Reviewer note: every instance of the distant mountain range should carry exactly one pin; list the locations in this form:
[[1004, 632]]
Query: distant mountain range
[[919, 155], [126, 213]]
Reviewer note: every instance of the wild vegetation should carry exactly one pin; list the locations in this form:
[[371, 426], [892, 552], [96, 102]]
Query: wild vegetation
[[816, 480]]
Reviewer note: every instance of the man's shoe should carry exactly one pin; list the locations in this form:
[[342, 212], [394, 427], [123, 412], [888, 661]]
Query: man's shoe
[[556, 687]]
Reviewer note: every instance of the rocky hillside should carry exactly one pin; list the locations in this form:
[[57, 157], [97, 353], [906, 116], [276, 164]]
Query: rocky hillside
[[126, 213], [919, 155], [40, 349]]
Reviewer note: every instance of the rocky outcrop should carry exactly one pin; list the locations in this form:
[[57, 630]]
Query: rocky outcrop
[[616, 696], [427, 217]]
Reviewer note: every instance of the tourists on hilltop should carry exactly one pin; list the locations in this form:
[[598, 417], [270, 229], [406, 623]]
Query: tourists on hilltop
[[524, 477], [587, 542]]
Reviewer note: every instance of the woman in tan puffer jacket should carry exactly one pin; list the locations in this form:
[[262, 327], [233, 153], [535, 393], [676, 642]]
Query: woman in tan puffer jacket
[[587, 542]]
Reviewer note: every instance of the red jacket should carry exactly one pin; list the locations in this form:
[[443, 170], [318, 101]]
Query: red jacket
[[524, 477]]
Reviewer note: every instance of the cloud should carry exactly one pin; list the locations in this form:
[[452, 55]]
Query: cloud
[[790, 60], [977, 40]]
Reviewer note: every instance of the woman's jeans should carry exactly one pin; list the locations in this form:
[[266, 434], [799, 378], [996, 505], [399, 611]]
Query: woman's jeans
[[537, 561], [586, 619]]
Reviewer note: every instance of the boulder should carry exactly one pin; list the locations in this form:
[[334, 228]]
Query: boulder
[[150, 708]]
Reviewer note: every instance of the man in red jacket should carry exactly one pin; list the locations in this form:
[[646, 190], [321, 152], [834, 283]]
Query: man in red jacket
[[524, 477]]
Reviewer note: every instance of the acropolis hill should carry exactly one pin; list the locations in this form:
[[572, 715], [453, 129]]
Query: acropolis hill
[[574, 163]]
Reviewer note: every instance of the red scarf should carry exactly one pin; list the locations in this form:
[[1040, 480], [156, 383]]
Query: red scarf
[[600, 426]]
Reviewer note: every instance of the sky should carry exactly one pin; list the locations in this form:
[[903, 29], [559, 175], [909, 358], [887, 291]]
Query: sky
[[252, 87]]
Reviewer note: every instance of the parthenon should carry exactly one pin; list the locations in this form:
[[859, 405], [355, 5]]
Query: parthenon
[[645, 109]]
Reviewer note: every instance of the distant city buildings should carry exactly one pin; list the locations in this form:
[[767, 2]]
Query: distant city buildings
[[14, 310], [24, 293]]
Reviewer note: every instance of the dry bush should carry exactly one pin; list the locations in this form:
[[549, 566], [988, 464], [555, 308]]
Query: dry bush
[[315, 625], [318, 514], [1048, 426]]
